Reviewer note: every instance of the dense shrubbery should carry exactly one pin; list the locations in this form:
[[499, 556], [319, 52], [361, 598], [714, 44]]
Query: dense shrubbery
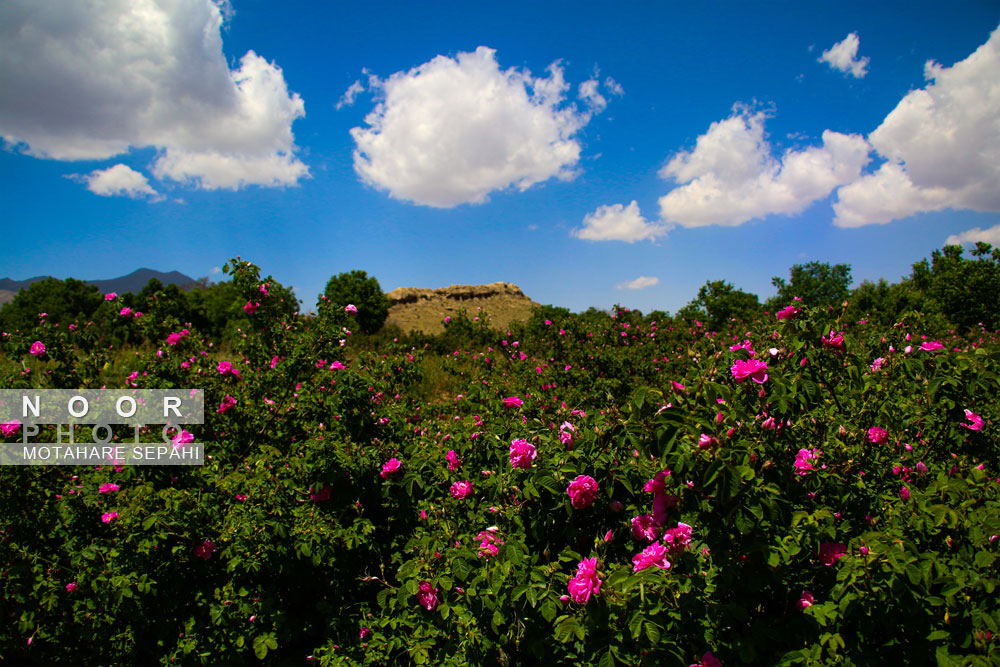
[[357, 289], [799, 488], [215, 310]]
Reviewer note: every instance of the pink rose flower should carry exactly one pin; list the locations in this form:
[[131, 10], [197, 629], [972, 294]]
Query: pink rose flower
[[829, 552], [460, 490], [586, 582], [454, 463], [803, 461], [877, 435], [37, 348], [110, 296], [932, 346], [182, 438], [708, 660], [677, 539], [227, 403], [251, 307], [108, 487], [834, 342], [522, 453], [71, 587], [976, 422], [205, 549], [225, 368], [389, 467], [427, 596], [108, 517], [806, 600], [125, 312], [173, 338], [351, 308], [787, 313], [658, 483], [655, 555], [582, 491], [644, 528], [337, 366], [567, 433], [10, 428], [489, 542], [707, 441], [513, 402], [752, 368], [321, 495], [904, 494]]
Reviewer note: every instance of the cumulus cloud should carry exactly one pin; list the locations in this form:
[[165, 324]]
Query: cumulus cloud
[[640, 283], [120, 180], [843, 56], [452, 130], [618, 223], [731, 176], [941, 143], [976, 235], [93, 80]]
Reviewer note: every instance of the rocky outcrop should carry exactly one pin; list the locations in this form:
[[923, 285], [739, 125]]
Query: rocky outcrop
[[421, 309]]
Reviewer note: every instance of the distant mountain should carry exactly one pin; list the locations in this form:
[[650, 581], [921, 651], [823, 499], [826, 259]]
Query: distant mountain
[[133, 282], [136, 280], [11, 285]]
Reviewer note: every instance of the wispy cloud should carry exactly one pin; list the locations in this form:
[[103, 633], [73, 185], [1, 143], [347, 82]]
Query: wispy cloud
[[641, 282]]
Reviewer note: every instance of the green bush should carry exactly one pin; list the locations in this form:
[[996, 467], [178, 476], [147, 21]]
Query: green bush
[[357, 289]]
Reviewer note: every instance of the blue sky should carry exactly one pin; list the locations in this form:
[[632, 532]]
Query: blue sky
[[507, 141]]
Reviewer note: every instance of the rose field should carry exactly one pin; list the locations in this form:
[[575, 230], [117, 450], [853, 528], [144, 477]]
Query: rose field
[[816, 485]]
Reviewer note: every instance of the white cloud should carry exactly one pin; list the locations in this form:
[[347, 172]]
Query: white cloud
[[618, 223], [613, 87], [216, 270], [120, 180], [731, 177], [451, 131], [92, 80], [942, 143], [351, 94], [975, 235], [843, 56], [591, 94], [640, 283]]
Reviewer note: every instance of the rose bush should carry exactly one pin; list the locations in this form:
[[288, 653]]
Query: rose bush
[[344, 516]]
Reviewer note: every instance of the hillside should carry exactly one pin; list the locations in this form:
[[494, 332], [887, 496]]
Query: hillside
[[421, 309]]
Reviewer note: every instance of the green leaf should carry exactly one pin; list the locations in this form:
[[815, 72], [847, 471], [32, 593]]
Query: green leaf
[[652, 632], [260, 647], [635, 625], [566, 628]]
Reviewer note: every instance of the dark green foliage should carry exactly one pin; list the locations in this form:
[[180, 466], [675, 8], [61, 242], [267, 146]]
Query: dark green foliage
[[816, 283], [967, 290], [356, 287], [64, 301], [718, 302]]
